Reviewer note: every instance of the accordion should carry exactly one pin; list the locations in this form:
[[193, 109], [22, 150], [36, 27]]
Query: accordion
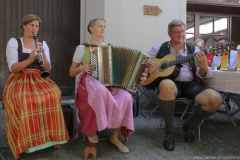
[[118, 66]]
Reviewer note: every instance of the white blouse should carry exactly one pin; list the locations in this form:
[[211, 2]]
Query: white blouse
[[12, 51]]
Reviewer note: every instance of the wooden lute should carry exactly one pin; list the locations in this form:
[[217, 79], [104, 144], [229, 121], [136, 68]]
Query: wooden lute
[[169, 66]]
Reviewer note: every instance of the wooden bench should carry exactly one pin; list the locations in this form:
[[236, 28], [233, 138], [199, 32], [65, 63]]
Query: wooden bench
[[90, 148]]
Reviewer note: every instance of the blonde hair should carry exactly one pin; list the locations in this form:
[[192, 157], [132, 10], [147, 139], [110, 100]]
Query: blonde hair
[[29, 18], [93, 22]]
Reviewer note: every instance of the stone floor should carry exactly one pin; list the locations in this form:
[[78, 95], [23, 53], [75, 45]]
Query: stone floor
[[219, 140]]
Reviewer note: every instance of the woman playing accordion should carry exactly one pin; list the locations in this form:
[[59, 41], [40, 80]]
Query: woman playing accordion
[[100, 107]]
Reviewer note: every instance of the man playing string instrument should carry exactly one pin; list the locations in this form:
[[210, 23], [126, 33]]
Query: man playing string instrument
[[184, 85]]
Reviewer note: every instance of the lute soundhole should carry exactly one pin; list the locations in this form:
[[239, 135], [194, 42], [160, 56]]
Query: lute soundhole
[[162, 66]]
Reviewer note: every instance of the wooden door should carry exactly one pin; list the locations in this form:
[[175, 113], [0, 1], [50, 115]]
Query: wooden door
[[60, 29]]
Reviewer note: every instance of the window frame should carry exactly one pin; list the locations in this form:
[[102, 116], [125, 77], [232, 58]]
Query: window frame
[[196, 25]]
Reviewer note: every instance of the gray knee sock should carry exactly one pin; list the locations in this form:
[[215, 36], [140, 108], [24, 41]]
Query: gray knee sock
[[167, 108], [198, 115]]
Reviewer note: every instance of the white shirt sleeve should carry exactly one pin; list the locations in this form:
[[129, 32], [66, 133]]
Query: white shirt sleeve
[[78, 54], [233, 59], [208, 75], [47, 52], [216, 60], [153, 52]]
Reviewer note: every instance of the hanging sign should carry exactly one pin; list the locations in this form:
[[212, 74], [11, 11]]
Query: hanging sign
[[151, 10]]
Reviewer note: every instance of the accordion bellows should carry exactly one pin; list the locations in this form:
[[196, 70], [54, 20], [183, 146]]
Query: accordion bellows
[[118, 66]]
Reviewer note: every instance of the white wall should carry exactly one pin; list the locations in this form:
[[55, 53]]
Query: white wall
[[127, 25]]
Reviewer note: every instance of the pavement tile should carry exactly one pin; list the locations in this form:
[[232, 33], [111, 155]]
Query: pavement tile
[[218, 138]]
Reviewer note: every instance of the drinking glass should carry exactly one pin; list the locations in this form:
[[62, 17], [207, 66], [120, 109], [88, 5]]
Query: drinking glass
[[224, 61]]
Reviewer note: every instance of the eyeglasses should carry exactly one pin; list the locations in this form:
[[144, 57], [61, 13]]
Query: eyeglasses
[[178, 32], [221, 43]]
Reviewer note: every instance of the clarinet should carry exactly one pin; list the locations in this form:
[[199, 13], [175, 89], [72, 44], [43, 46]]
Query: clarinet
[[44, 72]]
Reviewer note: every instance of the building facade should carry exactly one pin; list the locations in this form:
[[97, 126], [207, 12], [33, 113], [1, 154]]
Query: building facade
[[126, 23], [213, 19]]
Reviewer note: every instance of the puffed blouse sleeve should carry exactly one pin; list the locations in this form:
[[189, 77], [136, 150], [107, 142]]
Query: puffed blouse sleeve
[[46, 50], [79, 54], [12, 52]]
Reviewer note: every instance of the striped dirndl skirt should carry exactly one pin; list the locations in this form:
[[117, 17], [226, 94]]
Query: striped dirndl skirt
[[33, 111]]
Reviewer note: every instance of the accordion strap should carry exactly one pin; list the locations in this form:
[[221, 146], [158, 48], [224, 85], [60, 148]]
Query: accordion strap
[[89, 45]]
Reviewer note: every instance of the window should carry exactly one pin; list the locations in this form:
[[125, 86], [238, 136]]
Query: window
[[209, 28], [190, 28]]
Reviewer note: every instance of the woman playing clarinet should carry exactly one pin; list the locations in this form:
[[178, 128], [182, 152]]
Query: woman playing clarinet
[[33, 104]]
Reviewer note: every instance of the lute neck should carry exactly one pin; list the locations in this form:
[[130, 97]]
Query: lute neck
[[179, 60]]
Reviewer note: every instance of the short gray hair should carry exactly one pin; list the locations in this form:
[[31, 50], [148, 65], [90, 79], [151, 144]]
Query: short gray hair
[[173, 23]]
